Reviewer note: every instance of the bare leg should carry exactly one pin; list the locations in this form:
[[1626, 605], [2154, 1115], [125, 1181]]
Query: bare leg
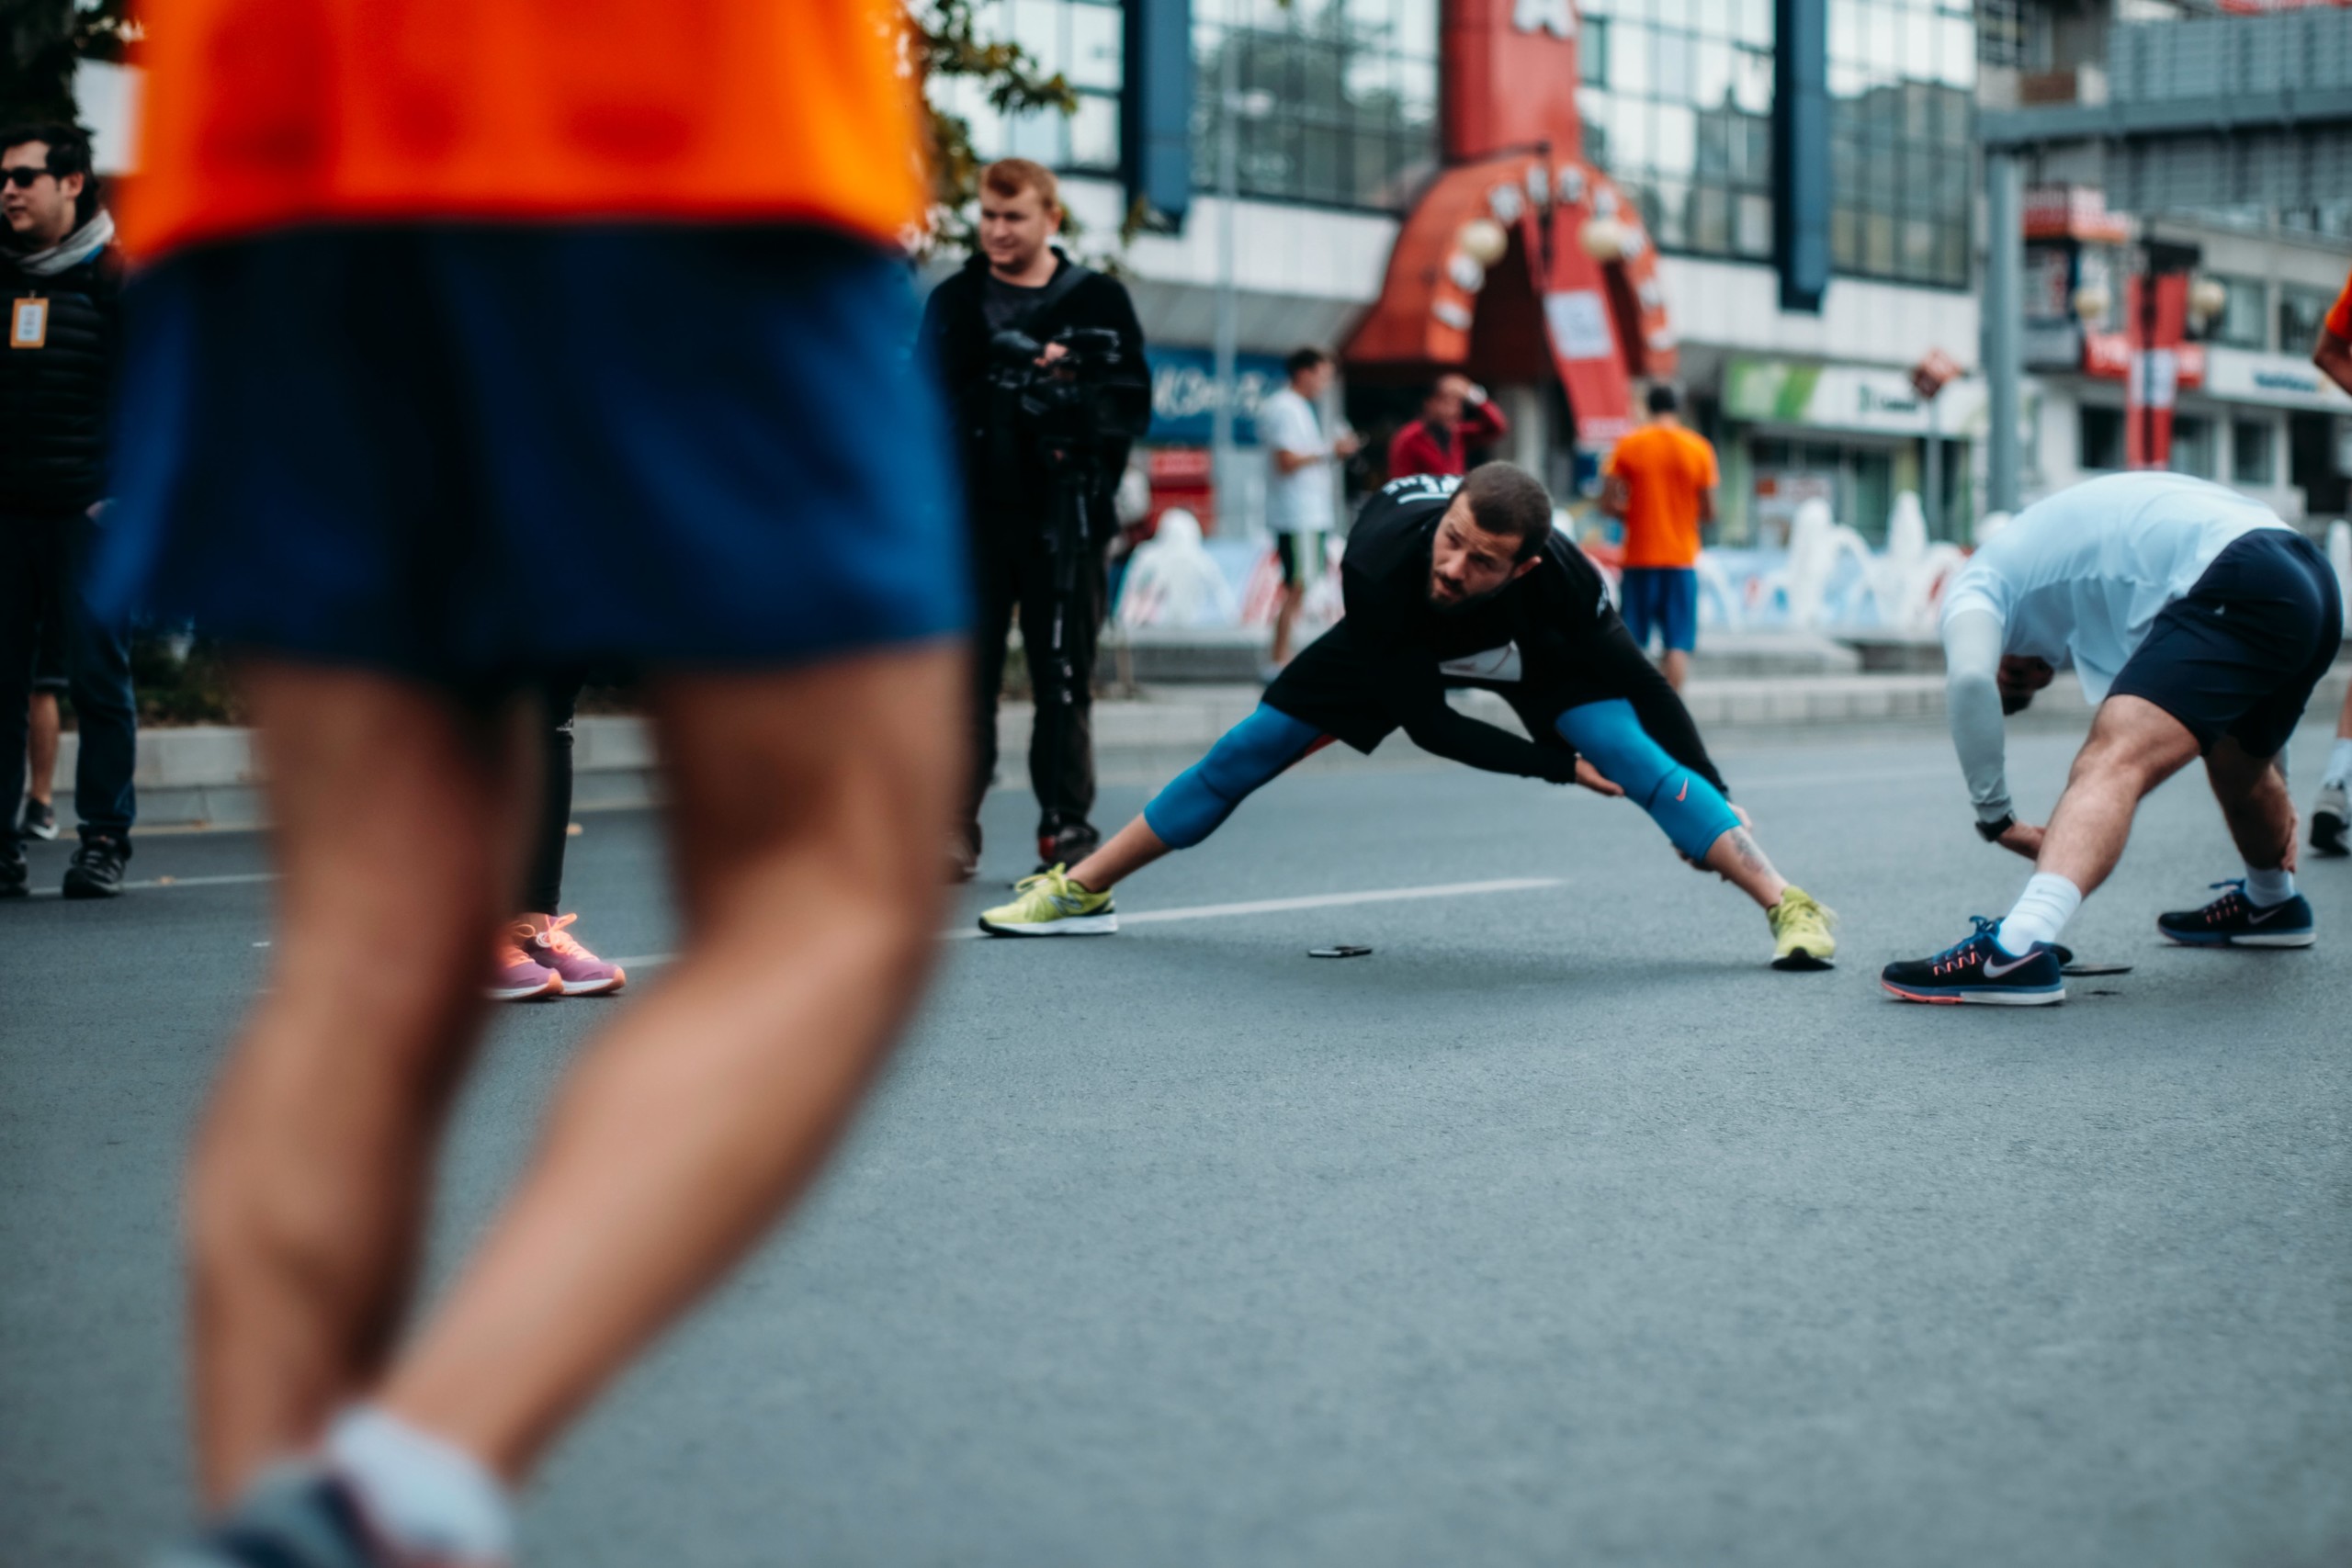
[[2134, 746], [2344, 719], [308, 1191], [41, 748], [1285, 619], [1125, 852], [1735, 857], [2254, 803], [1677, 665], [807, 812]]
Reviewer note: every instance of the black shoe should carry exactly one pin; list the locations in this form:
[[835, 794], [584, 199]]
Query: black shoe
[[1066, 845], [39, 821], [13, 870], [2233, 921], [96, 871], [2332, 820], [1977, 970]]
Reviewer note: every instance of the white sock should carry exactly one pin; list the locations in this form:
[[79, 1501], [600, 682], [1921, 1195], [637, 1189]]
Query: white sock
[[2264, 889], [2042, 912], [2339, 763], [429, 1496]]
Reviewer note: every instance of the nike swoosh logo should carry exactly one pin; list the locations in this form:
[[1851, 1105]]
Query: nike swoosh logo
[[1686, 788], [1995, 971], [2259, 915]]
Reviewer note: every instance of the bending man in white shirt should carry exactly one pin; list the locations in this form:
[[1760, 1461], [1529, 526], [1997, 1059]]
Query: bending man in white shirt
[[2200, 623], [1302, 493]]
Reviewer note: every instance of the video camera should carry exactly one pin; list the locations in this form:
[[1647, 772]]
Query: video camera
[[1072, 404]]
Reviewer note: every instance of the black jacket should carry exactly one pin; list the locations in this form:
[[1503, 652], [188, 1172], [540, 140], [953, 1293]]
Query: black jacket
[[1010, 507], [54, 399]]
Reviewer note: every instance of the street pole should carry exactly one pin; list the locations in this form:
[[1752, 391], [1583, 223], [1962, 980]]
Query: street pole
[[1228, 186], [1935, 467], [2004, 323]]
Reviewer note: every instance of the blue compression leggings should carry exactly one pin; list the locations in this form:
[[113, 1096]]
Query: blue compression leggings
[[1692, 812], [1198, 800]]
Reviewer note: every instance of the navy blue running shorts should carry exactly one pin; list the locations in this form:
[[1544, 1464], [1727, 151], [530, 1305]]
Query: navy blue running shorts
[[1664, 598], [2240, 652], [472, 452]]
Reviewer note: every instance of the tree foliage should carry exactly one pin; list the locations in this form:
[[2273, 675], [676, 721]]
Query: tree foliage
[[947, 46], [42, 40]]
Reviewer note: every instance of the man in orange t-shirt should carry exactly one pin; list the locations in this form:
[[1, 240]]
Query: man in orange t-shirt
[[1661, 481], [475, 343]]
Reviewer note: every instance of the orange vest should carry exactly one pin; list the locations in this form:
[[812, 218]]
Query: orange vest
[[265, 113]]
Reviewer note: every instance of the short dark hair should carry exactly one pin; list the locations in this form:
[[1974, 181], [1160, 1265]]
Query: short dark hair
[[68, 154], [1663, 399], [1298, 361], [2013, 703], [1506, 498]]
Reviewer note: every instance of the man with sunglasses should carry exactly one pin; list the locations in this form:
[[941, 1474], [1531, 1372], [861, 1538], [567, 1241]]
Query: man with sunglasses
[[63, 280]]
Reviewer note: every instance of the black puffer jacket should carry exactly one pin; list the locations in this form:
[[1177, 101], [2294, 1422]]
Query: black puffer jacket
[[54, 399]]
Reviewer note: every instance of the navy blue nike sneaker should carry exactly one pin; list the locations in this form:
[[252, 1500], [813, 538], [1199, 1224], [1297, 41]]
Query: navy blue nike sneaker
[[2235, 921], [1977, 970]]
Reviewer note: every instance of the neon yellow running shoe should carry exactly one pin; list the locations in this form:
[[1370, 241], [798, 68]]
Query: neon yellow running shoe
[[1051, 904], [1801, 937]]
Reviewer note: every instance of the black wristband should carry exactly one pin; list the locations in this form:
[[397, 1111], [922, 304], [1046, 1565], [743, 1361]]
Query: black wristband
[[1991, 831]]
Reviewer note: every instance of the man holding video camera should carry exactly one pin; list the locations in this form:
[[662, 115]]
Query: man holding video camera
[[1014, 403]]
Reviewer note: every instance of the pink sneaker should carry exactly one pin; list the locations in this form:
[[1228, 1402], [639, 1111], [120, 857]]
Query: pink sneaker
[[579, 972], [516, 978]]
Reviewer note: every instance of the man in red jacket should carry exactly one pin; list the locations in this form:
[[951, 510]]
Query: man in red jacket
[[1455, 416]]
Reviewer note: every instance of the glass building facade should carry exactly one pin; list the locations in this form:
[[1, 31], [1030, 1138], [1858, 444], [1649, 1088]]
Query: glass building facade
[[1337, 105]]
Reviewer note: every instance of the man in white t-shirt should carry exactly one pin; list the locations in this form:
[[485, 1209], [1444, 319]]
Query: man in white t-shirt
[[2200, 623], [1301, 491]]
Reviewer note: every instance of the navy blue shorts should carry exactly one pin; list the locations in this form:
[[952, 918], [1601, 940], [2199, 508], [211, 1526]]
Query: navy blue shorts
[[1665, 597], [2240, 652], [472, 452]]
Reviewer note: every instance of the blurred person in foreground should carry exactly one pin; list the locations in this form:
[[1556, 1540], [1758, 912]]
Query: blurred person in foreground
[[1455, 416], [1660, 482], [1303, 491], [62, 277], [2332, 813], [1019, 282], [453, 367]]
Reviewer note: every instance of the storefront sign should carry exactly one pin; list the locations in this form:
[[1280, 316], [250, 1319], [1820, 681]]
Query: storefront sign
[[2242, 376], [1183, 394], [1843, 397]]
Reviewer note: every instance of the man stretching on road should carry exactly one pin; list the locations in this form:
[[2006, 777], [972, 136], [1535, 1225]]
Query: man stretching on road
[[2198, 623], [1454, 582]]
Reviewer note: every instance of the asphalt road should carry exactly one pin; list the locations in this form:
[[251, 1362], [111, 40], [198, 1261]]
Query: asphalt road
[[1560, 1229]]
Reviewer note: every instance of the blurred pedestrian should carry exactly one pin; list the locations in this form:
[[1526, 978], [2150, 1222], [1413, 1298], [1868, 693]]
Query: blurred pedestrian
[[2332, 813], [536, 956], [44, 725], [1660, 481], [1455, 416], [63, 280], [1303, 492], [578, 339]]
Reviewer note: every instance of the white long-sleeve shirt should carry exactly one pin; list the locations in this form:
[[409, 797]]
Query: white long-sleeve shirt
[[2078, 580]]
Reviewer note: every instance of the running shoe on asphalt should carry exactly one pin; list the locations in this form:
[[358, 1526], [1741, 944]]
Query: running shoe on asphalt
[[2332, 821], [300, 1518], [1977, 970], [1801, 935], [97, 868], [39, 821], [1052, 905], [2233, 921], [1065, 845], [549, 943], [515, 976]]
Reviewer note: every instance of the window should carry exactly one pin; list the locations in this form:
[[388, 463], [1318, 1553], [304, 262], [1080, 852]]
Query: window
[[2192, 446], [2242, 323], [1338, 99], [2099, 437], [1677, 100], [1082, 39], [1902, 86], [2300, 312], [2250, 453]]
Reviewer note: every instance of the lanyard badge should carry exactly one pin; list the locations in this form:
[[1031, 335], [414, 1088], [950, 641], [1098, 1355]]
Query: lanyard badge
[[28, 324]]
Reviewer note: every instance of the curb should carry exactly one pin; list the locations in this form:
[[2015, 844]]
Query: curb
[[207, 775]]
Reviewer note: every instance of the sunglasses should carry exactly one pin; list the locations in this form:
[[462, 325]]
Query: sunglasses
[[23, 175]]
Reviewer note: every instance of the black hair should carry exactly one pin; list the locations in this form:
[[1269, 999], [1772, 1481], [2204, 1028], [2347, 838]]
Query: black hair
[[1298, 361], [1507, 499], [2014, 702], [68, 154], [1663, 399]]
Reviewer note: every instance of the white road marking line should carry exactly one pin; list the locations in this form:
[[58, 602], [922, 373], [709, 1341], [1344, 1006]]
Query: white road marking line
[[1254, 907], [240, 879]]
